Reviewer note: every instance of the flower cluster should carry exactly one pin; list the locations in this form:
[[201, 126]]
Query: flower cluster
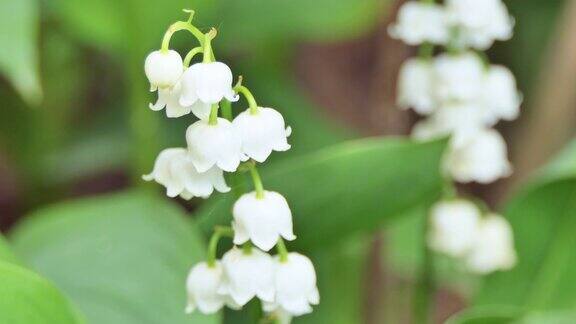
[[285, 283], [463, 96]]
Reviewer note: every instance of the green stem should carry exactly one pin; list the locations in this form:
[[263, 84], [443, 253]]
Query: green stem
[[213, 119], [247, 248], [282, 251], [257, 181], [226, 107], [177, 26], [426, 51], [191, 54], [249, 97], [208, 55], [425, 286], [219, 231]]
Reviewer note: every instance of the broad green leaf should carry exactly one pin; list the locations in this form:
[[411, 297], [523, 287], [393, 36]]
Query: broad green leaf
[[121, 258], [6, 254], [502, 315], [27, 298], [348, 188]]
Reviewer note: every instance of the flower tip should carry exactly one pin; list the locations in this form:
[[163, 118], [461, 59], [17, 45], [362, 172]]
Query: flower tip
[[189, 309]]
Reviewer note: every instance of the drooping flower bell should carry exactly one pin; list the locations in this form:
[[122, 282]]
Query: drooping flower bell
[[262, 220], [205, 84], [415, 84], [174, 170], [168, 98], [214, 145], [262, 131], [453, 227], [419, 23], [501, 98], [494, 246], [202, 289], [295, 285], [163, 69], [458, 77], [247, 275]]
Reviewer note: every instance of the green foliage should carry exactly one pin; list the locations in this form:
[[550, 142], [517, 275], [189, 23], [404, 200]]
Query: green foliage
[[19, 51], [121, 258], [485, 315]]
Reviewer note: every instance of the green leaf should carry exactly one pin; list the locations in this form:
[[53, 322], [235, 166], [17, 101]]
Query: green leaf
[[6, 254], [496, 315], [351, 187], [543, 217], [29, 299], [121, 258], [19, 51]]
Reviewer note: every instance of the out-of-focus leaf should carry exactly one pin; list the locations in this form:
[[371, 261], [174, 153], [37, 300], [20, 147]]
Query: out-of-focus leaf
[[543, 216], [351, 187], [6, 254], [121, 258], [19, 50], [485, 315], [29, 299]]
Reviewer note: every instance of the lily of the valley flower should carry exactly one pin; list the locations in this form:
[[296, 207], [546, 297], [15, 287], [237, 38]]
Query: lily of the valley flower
[[458, 77], [262, 131], [206, 84], [453, 224], [168, 97], [419, 23], [415, 86], [263, 220], [247, 275], [494, 246], [295, 286], [174, 170], [214, 145], [202, 288], [501, 98], [163, 69]]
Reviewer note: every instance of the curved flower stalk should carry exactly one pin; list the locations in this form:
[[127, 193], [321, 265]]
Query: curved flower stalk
[[461, 95], [218, 143]]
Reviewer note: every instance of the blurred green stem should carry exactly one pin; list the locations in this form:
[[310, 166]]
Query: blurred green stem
[[258, 186], [424, 293], [219, 231]]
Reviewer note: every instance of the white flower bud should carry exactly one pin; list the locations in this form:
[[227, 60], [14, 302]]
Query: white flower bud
[[163, 69], [501, 97], [480, 157], [415, 83], [262, 132], [295, 284], [247, 276], [218, 144], [202, 289], [262, 220], [453, 226], [419, 23], [458, 77], [494, 246], [174, 170], [208, 83]]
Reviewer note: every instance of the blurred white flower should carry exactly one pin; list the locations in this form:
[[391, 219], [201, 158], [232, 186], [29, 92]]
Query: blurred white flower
[[247, 275], [295, 284], [168, 97], [208, 83], [218, 144], [501, 98], [415, 86], [421, 22], [262, 220], [458, 77], [453, 226], [163, 69], [479, 22], [494, 246], [262, 132], [480, 157], [202, 289], [174, 170]]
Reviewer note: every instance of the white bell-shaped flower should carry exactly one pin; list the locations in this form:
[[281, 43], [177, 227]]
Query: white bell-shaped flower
[[494, 246], [419, 23], [262, 220], [247, 275], [500, 95], [214, 145], [163, 69], [458, 77], [415, 83], [480, 157], [295, 285], [262, 132], [460, 119], [453, 226], [480, 22], [208, 83], [168, 98], [202, 288], [174, 170]]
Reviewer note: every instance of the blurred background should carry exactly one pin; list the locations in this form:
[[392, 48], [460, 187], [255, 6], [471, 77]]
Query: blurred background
[[74, 123]]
